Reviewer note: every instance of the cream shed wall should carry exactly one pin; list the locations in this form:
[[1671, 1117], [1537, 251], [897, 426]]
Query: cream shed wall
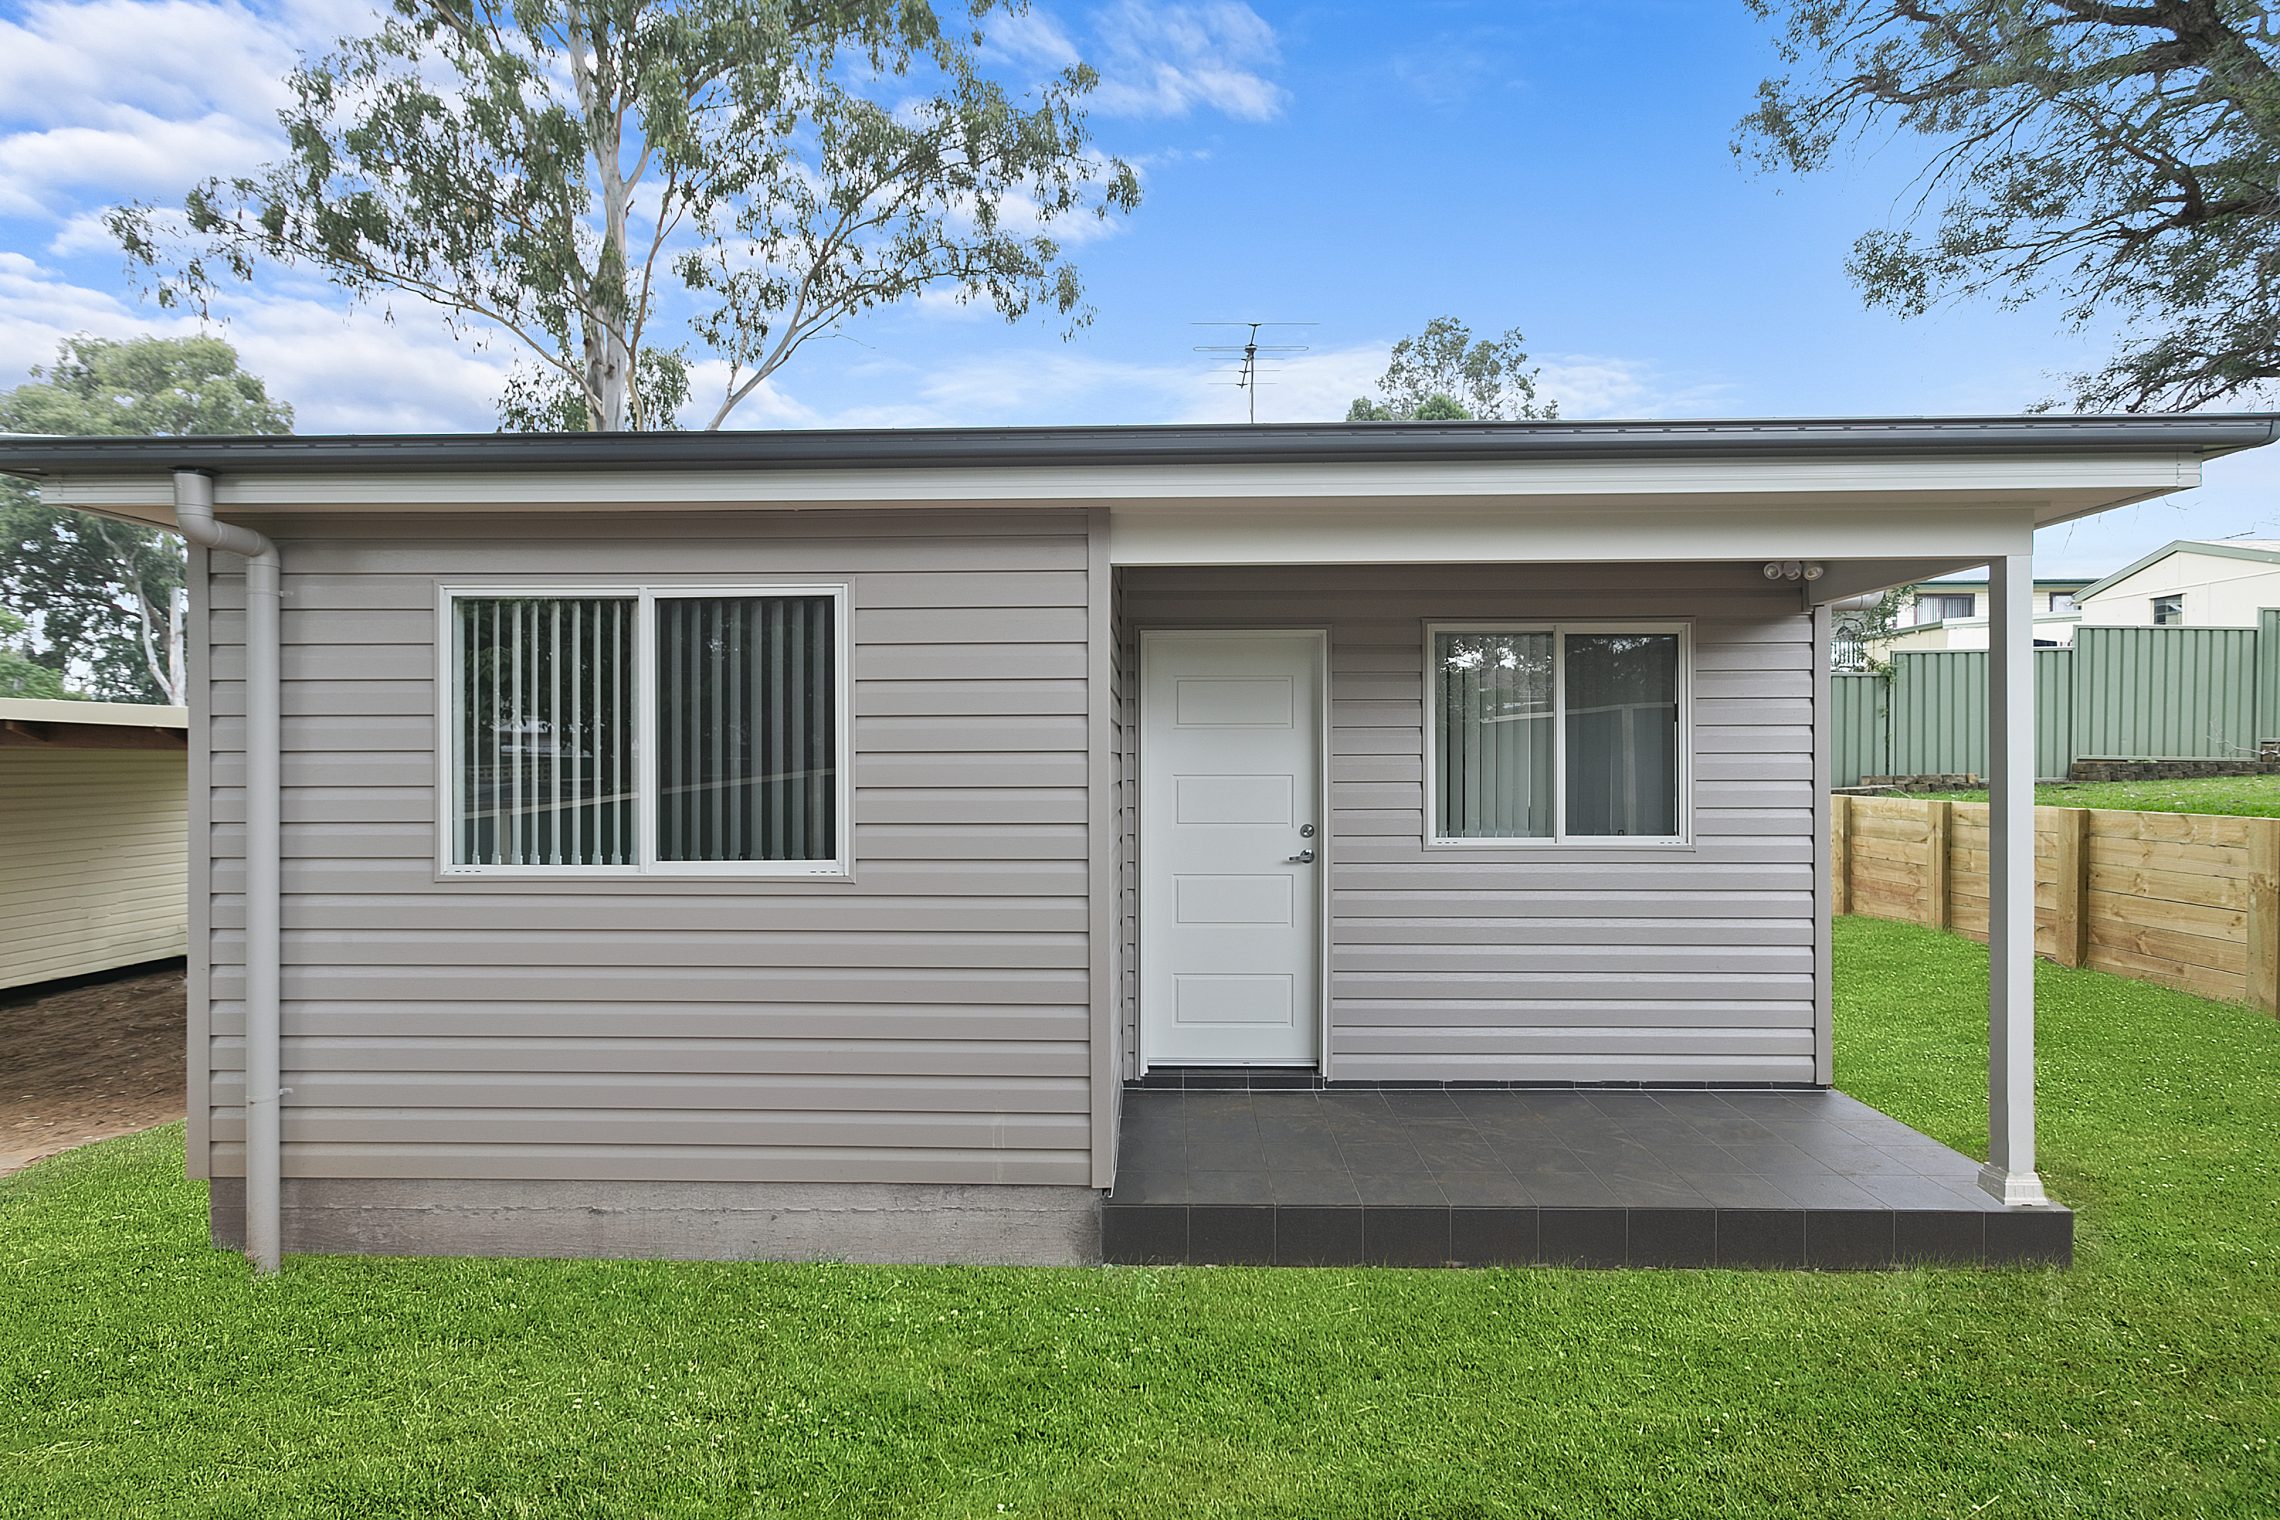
[[92, 841], [2220, 591], [1589, 963], [927, 1021]]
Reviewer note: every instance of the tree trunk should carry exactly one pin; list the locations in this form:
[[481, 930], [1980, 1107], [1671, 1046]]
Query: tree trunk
[[177, 675], [145, 616], [609, 357]]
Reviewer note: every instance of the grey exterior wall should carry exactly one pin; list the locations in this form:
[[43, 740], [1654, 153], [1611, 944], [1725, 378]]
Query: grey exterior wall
[[928, 1022], [942, 1020], [1584, 964]]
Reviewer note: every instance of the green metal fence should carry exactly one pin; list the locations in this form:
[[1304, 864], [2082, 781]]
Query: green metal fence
[[1860, 727], [2118, 694]]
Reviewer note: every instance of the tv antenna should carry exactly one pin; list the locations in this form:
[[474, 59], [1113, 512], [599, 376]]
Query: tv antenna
[[1251, 356]]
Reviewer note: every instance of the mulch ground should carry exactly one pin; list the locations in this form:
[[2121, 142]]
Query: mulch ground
[[87, 1062]]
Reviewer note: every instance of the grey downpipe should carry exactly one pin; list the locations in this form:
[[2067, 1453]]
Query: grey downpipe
[[264, 1211]]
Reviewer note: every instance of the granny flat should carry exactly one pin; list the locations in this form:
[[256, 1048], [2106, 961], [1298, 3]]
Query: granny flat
[[1285, 843]]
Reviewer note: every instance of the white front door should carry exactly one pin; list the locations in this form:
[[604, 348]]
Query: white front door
[[1230, 845]]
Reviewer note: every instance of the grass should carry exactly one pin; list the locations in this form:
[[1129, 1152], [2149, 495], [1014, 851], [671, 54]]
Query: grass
[[143, 1373], [2245, 796]]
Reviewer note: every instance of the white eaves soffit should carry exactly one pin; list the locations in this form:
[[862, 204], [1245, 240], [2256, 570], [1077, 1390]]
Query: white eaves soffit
[[1893, 506]]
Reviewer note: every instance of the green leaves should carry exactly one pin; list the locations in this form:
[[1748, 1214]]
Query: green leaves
[[2122, 158], [95, 603], [551, 168], [1442, 375]]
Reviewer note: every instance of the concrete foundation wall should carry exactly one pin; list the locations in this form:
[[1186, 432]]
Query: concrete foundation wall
[[874, 1223]]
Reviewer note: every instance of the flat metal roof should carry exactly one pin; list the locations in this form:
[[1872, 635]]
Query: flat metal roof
[[2205, 434], [115, 714]]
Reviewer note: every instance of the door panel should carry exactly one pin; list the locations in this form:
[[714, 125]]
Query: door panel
[[1230, 790]]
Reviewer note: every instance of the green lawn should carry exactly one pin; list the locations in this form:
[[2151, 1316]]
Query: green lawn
[[2252, 796], [142, 1373]]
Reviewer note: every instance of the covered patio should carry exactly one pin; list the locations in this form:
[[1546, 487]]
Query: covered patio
[[1353, 1163], [1601, 1177]]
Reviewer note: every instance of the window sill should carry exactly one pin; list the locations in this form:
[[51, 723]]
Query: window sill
[[621, 878], [1556, 851]]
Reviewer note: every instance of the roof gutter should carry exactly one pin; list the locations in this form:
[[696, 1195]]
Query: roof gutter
[[264, 1090], [2206, 435]]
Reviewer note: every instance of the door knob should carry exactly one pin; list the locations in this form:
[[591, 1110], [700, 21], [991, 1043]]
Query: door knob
[[1303, 857]]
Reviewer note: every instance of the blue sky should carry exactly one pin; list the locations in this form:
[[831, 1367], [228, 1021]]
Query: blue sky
[[1558, 165]]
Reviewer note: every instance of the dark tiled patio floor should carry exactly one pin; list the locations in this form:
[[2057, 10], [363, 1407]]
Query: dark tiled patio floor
[[1595, 1178]]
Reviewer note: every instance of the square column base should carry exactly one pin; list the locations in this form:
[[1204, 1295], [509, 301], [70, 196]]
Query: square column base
[[2016, 1189]]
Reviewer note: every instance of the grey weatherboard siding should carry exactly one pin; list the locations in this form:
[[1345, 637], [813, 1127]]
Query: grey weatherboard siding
[[927, 1022], [1584, 963]]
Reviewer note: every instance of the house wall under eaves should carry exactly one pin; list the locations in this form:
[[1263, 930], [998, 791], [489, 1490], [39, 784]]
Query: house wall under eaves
[[1593, 963]]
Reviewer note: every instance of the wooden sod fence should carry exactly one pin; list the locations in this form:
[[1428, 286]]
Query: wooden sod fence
[[2186, 900]]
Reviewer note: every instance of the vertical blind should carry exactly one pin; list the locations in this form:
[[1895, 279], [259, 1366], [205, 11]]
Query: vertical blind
[[1494, 769], [546, 731], [1498, 708], [1622, 734], [746, 732]]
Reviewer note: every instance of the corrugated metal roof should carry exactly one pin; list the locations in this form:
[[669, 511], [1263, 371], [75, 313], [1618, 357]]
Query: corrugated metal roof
[[2204, 434]]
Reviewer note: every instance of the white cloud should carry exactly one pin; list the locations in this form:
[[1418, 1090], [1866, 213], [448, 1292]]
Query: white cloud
[[1031, 37], [136, 155], [359, 372], [128, 98], [767, 406], [1167, 60], [1309, 387], [61, 62], [342, 371], [84, 233], [1039, 386], [37, 309], [942, 304], [1593, 385]]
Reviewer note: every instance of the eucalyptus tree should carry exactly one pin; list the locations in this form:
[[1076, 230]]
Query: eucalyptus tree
[[95, 603], [2121, 156], [555, 170], [1442, 374]]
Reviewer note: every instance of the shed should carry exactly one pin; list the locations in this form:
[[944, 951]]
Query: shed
[[2189, 583], [93, 837]]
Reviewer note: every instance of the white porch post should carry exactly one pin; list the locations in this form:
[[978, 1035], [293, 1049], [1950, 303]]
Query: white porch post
[[2010, 1170]]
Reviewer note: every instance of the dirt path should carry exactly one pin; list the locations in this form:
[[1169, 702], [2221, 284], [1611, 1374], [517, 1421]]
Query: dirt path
[[87, 1063]]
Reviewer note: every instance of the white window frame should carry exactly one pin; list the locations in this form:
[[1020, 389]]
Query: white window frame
[[2169, 596], [1560, 838], [645, 596]]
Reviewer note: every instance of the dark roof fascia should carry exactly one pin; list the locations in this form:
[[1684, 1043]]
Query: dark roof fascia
[[2207, 435]]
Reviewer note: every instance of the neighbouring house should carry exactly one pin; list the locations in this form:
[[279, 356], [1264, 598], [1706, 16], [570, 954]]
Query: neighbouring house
[[94, 824], [875, 844], [1951, 613], [2189, 583]]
